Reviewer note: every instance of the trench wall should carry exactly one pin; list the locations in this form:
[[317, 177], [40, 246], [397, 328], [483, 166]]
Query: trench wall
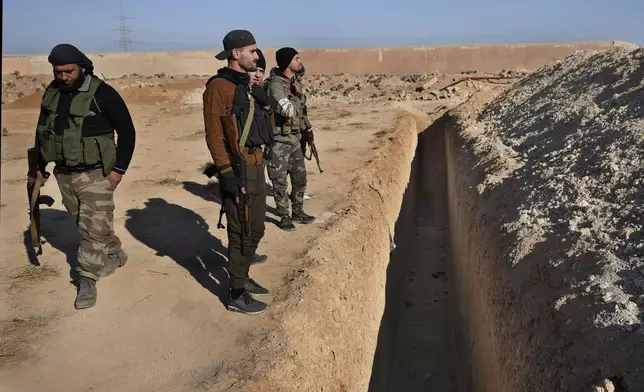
[[389, 60]]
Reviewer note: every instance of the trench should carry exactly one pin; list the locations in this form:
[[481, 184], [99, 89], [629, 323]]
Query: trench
[[439, 328], [440, 312], [442, 328], [455, 318], [415, 347]]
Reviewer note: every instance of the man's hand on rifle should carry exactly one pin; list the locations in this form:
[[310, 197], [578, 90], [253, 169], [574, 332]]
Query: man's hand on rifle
[[230, 185], [297, 89]]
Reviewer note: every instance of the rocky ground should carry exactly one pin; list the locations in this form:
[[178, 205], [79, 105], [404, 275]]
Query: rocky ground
[[340, 87]]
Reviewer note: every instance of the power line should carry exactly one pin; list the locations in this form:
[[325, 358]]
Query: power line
[[124, 41]]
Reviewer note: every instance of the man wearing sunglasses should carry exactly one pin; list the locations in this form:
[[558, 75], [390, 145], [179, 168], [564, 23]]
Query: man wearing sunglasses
[[79, 116]]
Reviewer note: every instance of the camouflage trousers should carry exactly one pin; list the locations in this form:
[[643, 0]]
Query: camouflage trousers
[[287, 159], [89, 198]]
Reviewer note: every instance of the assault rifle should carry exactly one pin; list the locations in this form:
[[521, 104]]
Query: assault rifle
[[35, 180], [238, 163], [308, 138]]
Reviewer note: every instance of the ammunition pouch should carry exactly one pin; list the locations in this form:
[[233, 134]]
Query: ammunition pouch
[[70, 147]]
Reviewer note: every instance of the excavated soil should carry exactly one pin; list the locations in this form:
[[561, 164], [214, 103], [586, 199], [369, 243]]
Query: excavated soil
[[546, 227]]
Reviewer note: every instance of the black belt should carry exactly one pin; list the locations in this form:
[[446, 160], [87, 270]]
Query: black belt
[[77, 169]]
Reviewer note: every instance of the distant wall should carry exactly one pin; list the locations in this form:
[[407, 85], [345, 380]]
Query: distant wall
[[392, 60]]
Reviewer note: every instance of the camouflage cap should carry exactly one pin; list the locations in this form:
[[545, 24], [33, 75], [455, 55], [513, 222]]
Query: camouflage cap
[[235, 39]]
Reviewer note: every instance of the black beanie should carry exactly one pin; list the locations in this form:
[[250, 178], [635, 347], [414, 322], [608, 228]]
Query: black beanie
[[68, 54], [261, 62], [284, 57]]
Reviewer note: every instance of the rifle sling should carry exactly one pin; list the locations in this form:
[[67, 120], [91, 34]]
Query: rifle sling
[[249, 120]]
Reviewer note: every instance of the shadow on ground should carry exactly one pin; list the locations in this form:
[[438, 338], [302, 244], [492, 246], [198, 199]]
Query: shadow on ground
[[181, 234], [206, 191], [58, 230]]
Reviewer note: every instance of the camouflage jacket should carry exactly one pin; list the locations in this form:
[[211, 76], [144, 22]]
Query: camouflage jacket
[[287, 108]]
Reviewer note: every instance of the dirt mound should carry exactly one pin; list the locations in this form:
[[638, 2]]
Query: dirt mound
[[561, 155], [411, 87], [16, 86]]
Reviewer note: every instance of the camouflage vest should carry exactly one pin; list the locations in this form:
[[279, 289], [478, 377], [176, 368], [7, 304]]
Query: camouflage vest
[[283, 125], [69, 147]]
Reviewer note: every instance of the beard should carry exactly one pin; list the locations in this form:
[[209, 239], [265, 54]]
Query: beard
[[62, 86]]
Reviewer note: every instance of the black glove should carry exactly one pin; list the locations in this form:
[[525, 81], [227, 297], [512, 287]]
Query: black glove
[[229, 184], [259, 94]]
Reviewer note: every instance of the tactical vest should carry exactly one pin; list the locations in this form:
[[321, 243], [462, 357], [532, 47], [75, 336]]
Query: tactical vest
[[284, 125], [69, 147], [260, 127]]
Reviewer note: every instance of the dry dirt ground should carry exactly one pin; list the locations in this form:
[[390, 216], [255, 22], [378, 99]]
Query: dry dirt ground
[[498, 250], [160, 322]]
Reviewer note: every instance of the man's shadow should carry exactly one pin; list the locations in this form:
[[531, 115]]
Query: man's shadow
[[206, 192], [57, 228], [182, 235]]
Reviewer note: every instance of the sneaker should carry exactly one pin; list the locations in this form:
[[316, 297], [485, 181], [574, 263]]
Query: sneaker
[[253, 287], [286, 224], [303, 218], [86, 297], [259, 259], [246, 304]]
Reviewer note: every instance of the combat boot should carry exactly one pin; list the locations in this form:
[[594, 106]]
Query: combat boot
[[286, 224], [113, 263], [303, 218], [246, 304], [86, 297], [254, 288]]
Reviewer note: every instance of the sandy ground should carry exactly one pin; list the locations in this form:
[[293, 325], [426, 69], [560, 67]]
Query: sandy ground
[[495, 248], [160, 323]]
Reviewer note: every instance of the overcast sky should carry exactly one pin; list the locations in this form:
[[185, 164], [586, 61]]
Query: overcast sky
[[35, 26]]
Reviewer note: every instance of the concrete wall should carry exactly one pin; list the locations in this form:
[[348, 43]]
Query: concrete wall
[[392, 60]]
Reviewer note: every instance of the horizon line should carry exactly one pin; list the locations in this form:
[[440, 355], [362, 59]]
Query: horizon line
[[374, 47]]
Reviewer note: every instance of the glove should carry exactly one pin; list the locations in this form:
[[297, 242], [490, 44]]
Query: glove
[[296, 89], [309, 134], [259, 94], [229, 184]]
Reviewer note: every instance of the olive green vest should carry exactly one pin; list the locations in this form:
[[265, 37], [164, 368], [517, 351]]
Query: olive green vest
[[69, 147], [283, 125]]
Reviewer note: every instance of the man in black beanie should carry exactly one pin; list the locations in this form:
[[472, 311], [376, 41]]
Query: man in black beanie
[[288, 103], [79, 115]]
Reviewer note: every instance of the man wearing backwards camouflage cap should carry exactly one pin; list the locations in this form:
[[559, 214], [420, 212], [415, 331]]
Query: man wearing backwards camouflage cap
[[227, 106], [287, 102]]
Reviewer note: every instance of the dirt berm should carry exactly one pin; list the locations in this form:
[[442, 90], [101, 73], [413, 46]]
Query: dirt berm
[[517, 260]]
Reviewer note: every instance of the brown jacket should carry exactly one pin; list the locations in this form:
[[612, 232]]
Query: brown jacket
[[222, 133]]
